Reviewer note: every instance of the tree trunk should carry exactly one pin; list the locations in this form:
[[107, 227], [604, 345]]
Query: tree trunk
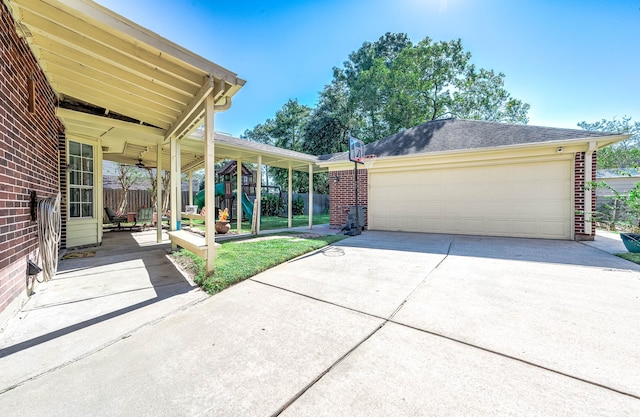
[[123, 202]]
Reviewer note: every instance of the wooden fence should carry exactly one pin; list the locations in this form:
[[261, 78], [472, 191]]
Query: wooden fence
[[142, 198], [135, 199]]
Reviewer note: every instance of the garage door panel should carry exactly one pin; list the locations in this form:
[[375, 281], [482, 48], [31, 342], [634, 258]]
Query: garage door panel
[[524, 200], [553, 230], [524, 227], [500, 227], [434, 224]]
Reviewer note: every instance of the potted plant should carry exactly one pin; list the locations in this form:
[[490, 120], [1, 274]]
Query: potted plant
[[222, 225]]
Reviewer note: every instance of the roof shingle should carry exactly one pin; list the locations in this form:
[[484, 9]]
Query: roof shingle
[[461, 134]]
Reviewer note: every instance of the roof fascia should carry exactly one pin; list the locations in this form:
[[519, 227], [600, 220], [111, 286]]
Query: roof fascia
[[568, 145], [123, 25]]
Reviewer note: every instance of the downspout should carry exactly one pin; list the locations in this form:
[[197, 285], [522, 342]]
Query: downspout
[[588, 192]]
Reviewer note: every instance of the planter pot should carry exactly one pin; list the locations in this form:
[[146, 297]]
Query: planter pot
[[222, 226], [631, 241]]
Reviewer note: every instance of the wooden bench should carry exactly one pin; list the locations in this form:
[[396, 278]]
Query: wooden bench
[[190, 241], [192, 216]]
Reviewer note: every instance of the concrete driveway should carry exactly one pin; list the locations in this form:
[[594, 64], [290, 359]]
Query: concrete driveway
[[380, 324]]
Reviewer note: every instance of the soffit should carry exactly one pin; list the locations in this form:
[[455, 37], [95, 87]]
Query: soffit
[[90, 55], [128, 143]]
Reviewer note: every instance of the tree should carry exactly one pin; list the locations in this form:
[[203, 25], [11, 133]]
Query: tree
[[260, 133], [128, 176], [387, 86], [166, 183], [289, 124], [364, 77], [286, 130], [481, 96], [327, 130], [435, 80], [625, 154]]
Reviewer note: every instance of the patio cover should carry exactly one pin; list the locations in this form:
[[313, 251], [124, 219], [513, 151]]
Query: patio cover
[[137, 93]]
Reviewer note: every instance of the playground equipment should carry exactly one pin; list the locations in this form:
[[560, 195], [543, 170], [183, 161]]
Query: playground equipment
[[247, 205]]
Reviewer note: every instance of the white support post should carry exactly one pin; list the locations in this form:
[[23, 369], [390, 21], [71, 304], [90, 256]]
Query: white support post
[[173, 199], [190, 198], [258, 194], [210, 183], [588, 193], [190, 188], [159, 193], [310, 196], [290, 198], [178, 184], [239, 195]]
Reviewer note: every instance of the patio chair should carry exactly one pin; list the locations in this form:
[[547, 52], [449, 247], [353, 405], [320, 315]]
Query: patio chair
[[113, 218], [145, 216]]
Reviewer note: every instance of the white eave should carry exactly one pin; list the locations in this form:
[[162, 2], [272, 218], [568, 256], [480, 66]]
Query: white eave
[[568, 146], [94, 56]]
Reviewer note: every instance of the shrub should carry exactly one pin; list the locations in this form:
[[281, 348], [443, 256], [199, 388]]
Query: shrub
[[272, 205], [298, 206]]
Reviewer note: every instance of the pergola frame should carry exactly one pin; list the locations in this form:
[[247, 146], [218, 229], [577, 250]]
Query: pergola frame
[[136, 96]]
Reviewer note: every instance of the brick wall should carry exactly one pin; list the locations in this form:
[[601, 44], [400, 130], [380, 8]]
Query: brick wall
[[579, 196], [28, 155], [342, 194]]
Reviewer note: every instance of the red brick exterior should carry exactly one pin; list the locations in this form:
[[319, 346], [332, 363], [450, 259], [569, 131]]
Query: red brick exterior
[[28, 155], [342, 194], [579, 197]]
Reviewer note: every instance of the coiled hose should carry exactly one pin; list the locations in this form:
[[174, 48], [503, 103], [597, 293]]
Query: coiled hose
[[49, 234]]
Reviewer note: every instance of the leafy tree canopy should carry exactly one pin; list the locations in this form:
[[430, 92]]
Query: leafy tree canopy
[[387, 86], [625, 154]]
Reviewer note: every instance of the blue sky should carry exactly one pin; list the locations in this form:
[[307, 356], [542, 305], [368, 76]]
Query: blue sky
[[571, 60]]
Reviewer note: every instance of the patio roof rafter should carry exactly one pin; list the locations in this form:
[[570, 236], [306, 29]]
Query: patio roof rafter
[[183, 124]]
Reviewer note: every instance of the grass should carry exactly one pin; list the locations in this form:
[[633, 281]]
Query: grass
[[238, 260], [271, 222], [633, 257]]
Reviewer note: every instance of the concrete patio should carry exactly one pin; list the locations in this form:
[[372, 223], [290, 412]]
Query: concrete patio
[[378, 324]]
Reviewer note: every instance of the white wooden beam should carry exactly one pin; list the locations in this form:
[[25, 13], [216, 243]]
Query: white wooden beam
[[190, 188], [290, 198], [258, 194], [114, 22], [310, 196], [239, 195], [174, 172], [69, 23], [159, 192], [210, 183], [205, 92]]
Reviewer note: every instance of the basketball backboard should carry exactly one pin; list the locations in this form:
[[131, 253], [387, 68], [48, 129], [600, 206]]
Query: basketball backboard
[[356, 150]]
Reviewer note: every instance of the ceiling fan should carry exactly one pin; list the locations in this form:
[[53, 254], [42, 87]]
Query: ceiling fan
[[141, 164]]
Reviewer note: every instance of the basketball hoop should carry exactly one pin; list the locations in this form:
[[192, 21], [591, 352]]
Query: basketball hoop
[[368, 161]]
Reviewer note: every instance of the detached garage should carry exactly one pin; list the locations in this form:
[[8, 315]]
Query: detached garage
[[476, 178]]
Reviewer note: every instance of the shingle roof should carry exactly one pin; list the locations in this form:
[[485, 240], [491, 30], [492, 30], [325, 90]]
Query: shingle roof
[[461, 134], [224, 138]]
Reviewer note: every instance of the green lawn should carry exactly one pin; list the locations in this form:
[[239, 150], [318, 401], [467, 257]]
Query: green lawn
[[240, 259], [629, 256], [271, 222]]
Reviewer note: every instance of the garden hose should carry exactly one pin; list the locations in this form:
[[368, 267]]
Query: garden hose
[[49, 234]]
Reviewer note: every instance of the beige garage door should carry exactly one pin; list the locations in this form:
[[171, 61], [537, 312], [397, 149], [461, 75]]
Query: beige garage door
[[521, 200]]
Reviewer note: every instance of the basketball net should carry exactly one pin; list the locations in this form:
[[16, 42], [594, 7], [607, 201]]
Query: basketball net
[[368, 161]]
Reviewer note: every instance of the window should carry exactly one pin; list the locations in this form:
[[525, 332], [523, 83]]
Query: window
[[80, 180]]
